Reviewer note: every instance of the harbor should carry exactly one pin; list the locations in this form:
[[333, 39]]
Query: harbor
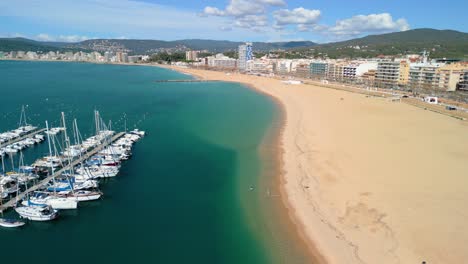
[[181, 182], [67, 176]]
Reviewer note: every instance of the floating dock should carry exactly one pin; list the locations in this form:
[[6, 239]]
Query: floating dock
[[185, 81], [20, 196], [29, 135]]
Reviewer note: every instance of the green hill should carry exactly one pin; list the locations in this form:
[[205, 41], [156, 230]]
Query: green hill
[[440, 43], [152, 46], [16, 44]]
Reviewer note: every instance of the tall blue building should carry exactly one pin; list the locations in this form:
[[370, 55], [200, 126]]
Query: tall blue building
[[245, 54]]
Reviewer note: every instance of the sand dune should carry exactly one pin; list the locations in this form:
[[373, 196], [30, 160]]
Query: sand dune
[[371, 181]]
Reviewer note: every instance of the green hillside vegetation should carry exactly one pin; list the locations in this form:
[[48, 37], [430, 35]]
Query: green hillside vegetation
[[16, 44], [214, 46], [440, 43]]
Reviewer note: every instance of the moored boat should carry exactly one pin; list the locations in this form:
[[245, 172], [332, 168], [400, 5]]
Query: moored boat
[[37, 213], [11, 223]]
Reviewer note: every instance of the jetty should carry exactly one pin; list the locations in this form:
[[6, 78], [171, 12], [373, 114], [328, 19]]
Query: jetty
[[185, 81], [29, 135], [12, 202]]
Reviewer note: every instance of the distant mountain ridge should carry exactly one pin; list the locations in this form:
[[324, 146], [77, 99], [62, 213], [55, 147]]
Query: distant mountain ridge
[[151, 46], [136, 46], [441, 43]]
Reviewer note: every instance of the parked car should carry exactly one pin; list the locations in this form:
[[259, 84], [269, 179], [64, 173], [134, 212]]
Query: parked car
[[450, 108]]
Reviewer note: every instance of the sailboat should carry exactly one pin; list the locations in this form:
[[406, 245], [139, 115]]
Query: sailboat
[[24, 127], [23, 174], [56, 202], [51, 161], [41, 212], [80, 196]]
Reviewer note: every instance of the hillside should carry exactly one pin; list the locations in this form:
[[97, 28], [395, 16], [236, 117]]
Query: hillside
[[152, 46], [440, 43], [16, 44], [135, 46]]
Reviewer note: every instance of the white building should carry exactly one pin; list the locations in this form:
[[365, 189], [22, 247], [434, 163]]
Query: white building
[[357, 69], [260, 66], [221, 61], [284, 66], [192, 55], [245, 55], [424, 75]]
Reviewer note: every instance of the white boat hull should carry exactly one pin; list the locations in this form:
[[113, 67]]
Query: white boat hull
[[36, 214], [11, 224], [55, 203]]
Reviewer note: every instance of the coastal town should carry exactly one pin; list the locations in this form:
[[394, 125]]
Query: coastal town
[[411, 72], [234, 131]]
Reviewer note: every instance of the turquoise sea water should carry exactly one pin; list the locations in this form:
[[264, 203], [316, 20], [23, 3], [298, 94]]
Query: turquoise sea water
[[184, 197]]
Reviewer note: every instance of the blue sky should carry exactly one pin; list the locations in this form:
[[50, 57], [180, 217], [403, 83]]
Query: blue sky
[[240, 20]]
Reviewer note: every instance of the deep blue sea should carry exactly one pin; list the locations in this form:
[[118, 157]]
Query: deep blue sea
[[184, 197]]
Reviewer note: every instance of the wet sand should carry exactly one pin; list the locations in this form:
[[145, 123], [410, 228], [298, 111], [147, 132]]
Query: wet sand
[[367, 180]]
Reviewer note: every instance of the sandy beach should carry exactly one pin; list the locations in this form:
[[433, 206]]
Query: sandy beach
[[368, 180]]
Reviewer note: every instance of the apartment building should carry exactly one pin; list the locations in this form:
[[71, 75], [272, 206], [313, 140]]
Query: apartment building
[[424, 75], [404, 73], [245, 54], [357, 69], [192, 55], [463, 85], [221, 61], [303, 71], [318, 69], [263, 66], [283, 66], [450, 75], [388, 74]]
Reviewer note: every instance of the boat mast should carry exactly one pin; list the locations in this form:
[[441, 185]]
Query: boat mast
[[50, 151], [64, 127], [48, 138], [125, 122], [67, 146], [3, 164]]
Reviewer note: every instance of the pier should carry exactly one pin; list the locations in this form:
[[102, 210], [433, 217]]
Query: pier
[[12, 202], [29, 135], [185, 81]]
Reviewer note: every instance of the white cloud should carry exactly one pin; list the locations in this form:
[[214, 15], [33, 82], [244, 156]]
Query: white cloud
[[213, 11], [251, 21], [373, 23], [297, 16], [248, 14], [239, 8]]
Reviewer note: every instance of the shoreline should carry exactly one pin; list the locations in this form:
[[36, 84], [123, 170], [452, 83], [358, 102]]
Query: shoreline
[[339, 184], [285, 209]]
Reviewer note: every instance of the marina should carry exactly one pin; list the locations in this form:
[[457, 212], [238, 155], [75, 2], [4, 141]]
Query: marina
[[75, 180], [182, 181], [29, 135], [23, 137]]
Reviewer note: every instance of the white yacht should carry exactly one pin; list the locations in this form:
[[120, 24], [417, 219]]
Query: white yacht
[[40, 199], [37, 213], [8, 185]]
